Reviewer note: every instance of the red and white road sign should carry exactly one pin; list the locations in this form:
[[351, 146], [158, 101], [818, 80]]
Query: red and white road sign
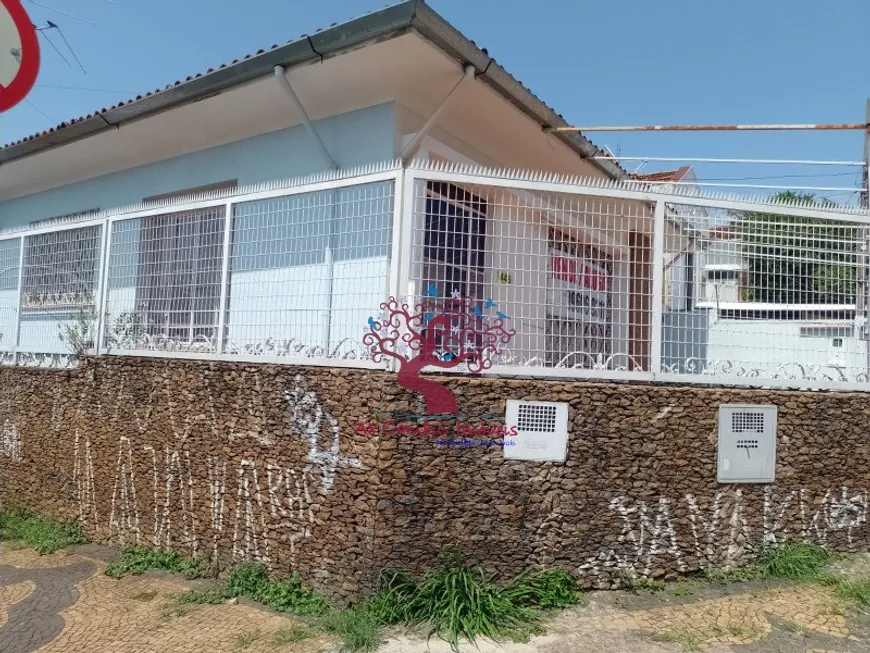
[[19, 54]]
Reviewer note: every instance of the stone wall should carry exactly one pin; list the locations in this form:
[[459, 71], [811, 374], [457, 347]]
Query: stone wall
[[233, 462]]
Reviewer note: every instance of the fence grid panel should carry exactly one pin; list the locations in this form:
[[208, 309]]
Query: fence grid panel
[[592, 280]]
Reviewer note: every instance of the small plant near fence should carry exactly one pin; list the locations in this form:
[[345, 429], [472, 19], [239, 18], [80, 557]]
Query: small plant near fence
[[80, 333]]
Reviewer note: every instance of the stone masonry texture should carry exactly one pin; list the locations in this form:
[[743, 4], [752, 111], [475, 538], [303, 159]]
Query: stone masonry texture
[[234, 462]]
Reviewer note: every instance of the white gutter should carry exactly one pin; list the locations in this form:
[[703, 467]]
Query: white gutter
[[412, 147], [303, 116]]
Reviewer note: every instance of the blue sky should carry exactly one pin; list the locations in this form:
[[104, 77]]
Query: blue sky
[[605, 63]]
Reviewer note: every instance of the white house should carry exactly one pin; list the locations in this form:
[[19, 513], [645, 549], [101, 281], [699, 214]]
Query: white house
[[171, 199]]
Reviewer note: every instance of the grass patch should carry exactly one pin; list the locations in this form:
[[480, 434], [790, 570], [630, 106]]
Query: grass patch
[[547, 589], [291, 635], [205, 597], [246, 638], [455, 601], [856, 591], [795, 562], [251, 580], [42, 534], [689, 641], [136, 560], [289, 595], [359, 627], [452, 601], [638, 584], [681, 589], [798, 562], [794, 628]]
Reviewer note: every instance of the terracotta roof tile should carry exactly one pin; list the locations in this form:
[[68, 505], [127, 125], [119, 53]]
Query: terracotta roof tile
[[664, 175]]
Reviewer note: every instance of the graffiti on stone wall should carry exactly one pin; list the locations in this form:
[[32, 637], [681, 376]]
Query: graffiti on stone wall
[[197, 504], [719, 533], [10, 441], [309, 417]]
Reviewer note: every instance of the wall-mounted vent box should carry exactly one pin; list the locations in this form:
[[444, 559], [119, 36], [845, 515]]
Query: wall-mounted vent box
[[542, 431], [747, 444]]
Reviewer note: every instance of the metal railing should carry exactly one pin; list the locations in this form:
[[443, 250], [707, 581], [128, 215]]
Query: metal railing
[[592, 279]]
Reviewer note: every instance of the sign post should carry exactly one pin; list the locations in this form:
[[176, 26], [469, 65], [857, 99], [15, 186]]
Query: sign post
[[19, 54]]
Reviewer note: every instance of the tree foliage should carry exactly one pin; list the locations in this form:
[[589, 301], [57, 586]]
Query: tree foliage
[[798, 260]]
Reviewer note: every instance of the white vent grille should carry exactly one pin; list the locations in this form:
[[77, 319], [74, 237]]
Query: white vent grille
[[743, 422], [541, 431], [747, 444], [533, 418]]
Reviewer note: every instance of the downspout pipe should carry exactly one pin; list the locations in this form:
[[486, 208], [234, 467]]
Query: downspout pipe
[[333, 203], [280, 75], [412, 147]]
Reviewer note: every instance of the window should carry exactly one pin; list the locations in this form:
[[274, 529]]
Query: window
[[454, 241], [722, 275], [454, 247], [579, 329], [179, 277], [60, 269]]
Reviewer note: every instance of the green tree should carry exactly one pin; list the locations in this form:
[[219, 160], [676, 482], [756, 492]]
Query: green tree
[[796, 260]]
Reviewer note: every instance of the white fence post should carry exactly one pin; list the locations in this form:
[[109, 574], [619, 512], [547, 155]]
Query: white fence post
[[18, 305], [401, 253], [396, 230], [101, 295], [658, 259], [406, 244], [225, 279]]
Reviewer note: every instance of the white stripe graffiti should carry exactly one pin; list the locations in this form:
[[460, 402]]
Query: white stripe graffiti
[[721, 534], [83, 478], [124, 517], [273, 504], [10, 442], [217, 481]]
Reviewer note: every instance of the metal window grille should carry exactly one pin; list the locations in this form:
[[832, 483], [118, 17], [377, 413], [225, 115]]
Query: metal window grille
[[165, 281], [307, 270], [571, 273], [778, 296], [60, 269]]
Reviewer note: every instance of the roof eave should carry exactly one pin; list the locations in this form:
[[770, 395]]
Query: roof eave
[[330, 42], [379, 25], [433, 27]]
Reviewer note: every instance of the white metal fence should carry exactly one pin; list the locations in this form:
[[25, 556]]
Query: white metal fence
[[593, 279]]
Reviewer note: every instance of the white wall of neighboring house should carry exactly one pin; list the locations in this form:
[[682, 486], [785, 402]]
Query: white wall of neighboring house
[[787, 346]]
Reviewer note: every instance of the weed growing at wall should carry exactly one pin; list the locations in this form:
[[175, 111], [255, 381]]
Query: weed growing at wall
[[137, 560], [288, 595], [453, 601], [797, 562], [42, 534]]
